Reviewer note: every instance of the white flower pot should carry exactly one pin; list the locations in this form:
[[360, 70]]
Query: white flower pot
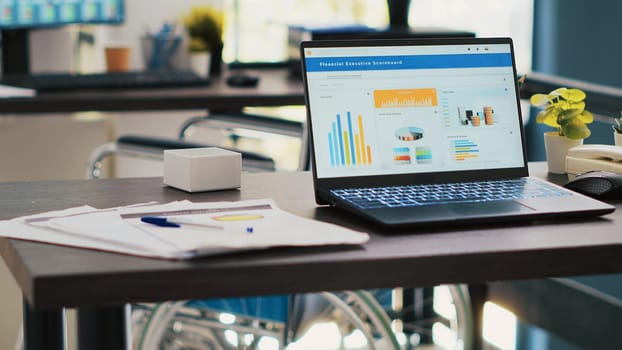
[[617, 138], [200, 63], [556, 148]]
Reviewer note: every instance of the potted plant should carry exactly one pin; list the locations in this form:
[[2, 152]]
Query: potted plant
[[564, 110], [204, 27], [617, 131]]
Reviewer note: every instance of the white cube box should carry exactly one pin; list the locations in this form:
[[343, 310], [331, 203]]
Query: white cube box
[[202, 169]]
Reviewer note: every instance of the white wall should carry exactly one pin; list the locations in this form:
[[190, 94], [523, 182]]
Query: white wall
[[11, 306], [41, 147], [49, 147]]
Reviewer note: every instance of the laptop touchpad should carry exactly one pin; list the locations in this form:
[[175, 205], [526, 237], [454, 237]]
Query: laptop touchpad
[[488, 208]]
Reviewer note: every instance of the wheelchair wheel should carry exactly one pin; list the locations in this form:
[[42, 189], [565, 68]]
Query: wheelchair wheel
[[356, 320], [177, 325], [344, 320], [439, 317]]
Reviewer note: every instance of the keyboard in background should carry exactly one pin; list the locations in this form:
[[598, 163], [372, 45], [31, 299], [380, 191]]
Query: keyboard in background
[[120, 80]]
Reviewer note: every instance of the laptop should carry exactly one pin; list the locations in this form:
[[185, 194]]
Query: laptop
[[424, 132]]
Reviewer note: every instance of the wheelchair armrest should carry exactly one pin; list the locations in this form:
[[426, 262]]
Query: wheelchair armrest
[[158, 145], [153, 148]]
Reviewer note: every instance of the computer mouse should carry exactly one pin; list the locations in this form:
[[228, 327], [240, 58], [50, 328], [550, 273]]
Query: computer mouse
[[242, 80], [597, 184]]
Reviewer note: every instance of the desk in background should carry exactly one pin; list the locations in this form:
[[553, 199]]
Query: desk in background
[[224, 105], [52, 277], [275, 88]]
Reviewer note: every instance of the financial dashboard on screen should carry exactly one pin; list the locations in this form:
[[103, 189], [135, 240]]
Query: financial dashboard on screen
[[16, 14], [408, 109]]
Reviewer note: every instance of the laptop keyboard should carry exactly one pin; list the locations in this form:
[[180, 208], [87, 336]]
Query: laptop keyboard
[[414, 195]]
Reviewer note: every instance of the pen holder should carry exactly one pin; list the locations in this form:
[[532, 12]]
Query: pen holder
[[159, 51], [202, 169]]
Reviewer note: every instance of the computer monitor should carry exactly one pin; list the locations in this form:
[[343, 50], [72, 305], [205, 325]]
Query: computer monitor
[[398, 13], [18, 17]]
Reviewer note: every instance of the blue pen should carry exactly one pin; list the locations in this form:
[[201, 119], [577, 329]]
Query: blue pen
[[176, 222], [159, 221]]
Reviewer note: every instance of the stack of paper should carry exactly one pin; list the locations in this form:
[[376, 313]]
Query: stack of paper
[[13, 91], [204, 229]]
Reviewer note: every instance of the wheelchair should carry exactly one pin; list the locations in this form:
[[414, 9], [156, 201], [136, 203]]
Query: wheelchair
[[361, 319]]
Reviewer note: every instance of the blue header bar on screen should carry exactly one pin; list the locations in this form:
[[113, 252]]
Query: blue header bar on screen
[[327, 64]]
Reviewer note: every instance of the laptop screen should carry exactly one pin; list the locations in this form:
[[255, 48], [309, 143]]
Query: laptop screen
[[419, 108]]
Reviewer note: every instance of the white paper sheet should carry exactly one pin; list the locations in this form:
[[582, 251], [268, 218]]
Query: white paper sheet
[[246, 225], [13, 91]]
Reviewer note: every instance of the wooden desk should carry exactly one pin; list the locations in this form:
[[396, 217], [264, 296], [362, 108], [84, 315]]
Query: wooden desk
[[275, 88], [52, 277]]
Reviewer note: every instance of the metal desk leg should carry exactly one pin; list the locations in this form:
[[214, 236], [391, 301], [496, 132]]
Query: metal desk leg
[[479, 295], [44, 329], [104, 327]]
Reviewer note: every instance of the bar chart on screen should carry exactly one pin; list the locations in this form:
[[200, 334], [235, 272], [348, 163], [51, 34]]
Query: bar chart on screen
[[463, 149], [399, 98], [347, 142]]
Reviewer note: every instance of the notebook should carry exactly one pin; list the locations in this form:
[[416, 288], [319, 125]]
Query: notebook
[[424, 132]]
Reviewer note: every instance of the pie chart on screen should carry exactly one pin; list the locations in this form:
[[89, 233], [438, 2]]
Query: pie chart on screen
[[409, 133]]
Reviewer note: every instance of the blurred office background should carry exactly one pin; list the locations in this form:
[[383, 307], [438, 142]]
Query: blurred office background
[[570, 38]]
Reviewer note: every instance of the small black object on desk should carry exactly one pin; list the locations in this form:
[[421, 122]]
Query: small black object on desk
[[242, 80], [598, 184]]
